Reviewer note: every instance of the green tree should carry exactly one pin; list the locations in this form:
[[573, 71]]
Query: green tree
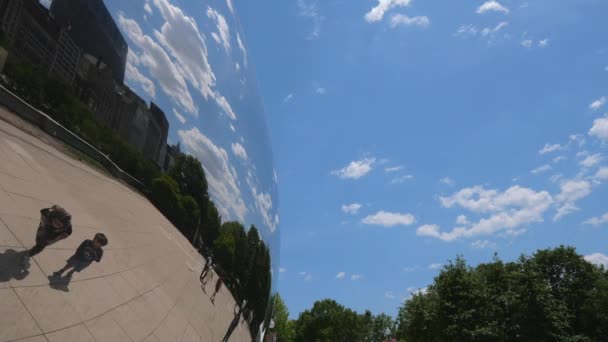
[[329, 321], [282, 325], [191, 217], [190, 176], [166, 197], [210, 231], [555, 295]]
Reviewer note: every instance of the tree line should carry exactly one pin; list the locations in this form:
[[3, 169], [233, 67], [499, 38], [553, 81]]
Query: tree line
[[553, 295], [242, 258]]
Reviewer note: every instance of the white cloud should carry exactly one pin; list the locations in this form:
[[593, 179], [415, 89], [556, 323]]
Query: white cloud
[[222, 177], [492, 31], [168, 75], [435, 266], [600, 128], [447, 181], [180, 36], [288, 98], [383, 6], [402, 179], [571, 191], [310, 9], [262, 201], [541, 169], [230, 6], [132, 74], [482, 244], [591, 160], [340, 275], [179, 116], [597, 259], [599, 103], [393, 169], [466, 31], [404, 20], [232, 128], [242, 48], [352, 209], [481, 200], [558, 159], [222, 28], [492, 6], [409, 269], [527, 43], [147, 8], [543, 42], [355, 277], [282, 270], [509, 210], [548, 148], [239, 150], [462, 220], [597, 221], [356, 169], [321, 90], [602, 174], [305, 275], [388, 219], [555, 177], [389, 295], [225, 106]]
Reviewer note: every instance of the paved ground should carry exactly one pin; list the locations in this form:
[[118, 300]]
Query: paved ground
[[146, 287]]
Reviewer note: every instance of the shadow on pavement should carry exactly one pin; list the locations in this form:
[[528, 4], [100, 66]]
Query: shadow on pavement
[[60, 283], [10, 266]]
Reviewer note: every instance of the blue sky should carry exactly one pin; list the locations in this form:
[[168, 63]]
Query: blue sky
[[407, 132]]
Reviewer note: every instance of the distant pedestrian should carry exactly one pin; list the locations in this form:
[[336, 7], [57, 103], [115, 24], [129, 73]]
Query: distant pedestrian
[[87, 252], [55, 225], [218, 287]]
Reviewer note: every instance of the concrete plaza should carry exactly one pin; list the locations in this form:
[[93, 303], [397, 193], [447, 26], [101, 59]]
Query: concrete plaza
[[146, 287]]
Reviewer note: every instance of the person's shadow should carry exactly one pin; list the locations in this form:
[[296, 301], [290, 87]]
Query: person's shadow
[[10, 266], [60, 283]]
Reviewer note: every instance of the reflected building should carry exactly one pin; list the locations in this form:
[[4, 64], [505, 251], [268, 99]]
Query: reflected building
[[93, 29], [38, 39]]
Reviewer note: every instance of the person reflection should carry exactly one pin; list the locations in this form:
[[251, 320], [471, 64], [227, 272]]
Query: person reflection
[[218, 287], [55, 225]]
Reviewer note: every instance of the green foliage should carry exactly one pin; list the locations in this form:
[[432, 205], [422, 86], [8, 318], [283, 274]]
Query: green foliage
[[555, 295], [330, 321], [190, 176], [191, 218], [210, 230], [282, 325], [166, 197]]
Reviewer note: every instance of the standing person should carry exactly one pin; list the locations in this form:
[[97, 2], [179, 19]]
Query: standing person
[[218, 286], [87, 252], [55, 225]]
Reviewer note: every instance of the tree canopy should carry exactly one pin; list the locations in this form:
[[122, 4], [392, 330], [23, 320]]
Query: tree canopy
[[553, 295]]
